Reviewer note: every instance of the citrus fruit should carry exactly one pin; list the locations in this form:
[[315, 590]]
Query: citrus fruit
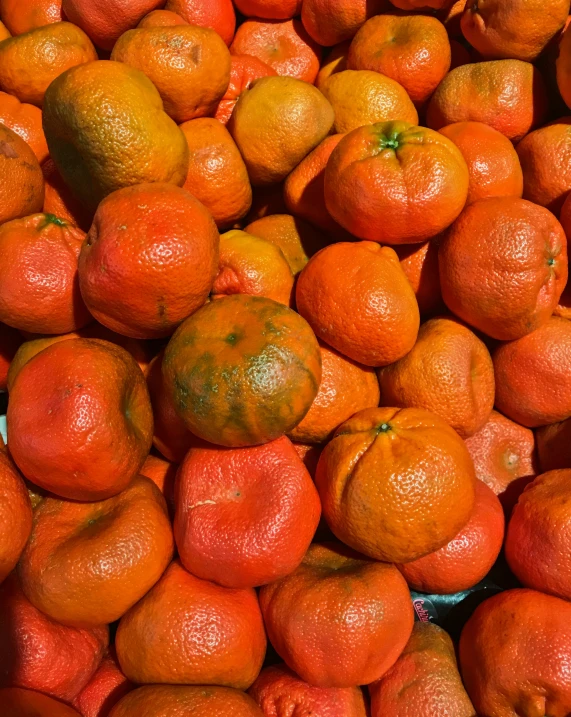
[[419, 263], [16, 511], [17, 702], [161, 18], [26, 121], [21, 17], [330, 22], [218, 15], [22, 185], [244, 71], [104, 689], [554, 445]]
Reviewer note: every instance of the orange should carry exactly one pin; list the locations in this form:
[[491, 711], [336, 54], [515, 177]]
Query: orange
[[269, 9], [284, 45], [539, 532], [335, 61], [149, 260], [448, 371], [276, 124], [278, 691], [493, 163], [184, 701], [533, 626], [563, 308], [533, 375], [304, 189], [412, 49], [162, 18], [296, 238], [309, 454], [189, 66], [60, 201], [16, 702], [94, 397], [420, 265], [563, 67], [346, 387], [520, 249], [519, 29], [412, 174], [330, 22], [40, 654], [504, 457], [163, 474], [375, 456], [20, 17], [338, 603], [39, 285], [468, 557], [244, 71], [107, 686], [10, 341], [16, 512], [171, 437], [106, 20], [69, 569], [30, 62], [217, 175], [213, 370], [26, 121], [254, 266], [554, 445], [22, 183], [218, 15], [450, 16], [545, 155], [363, 97], [424, 681], [508, 95], [357, 299], [162, 638], [135, 142], [4, 32], [235, 524]]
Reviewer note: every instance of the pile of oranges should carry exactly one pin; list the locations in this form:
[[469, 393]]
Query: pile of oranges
[[285, 335]]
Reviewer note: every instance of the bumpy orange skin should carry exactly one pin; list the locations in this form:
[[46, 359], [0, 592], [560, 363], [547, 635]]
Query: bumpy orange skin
[[107, 686], [10, 341], [330, 22], [493, 163], [190, 66], [449, 371], [94, 398], [38, 277], [251, 265], [412, 49], [346, 387], [335, 61], [244, 71], [420, 265], [280, 692], [554, 445], [514, 653], [30, 62], [522, 250], [468, 557], [162, 18], [372, 458], [60, 201], [26, 121], [518, 29], [412, 174], [304, 188], [217, 175], [17, 702], [508, 95], [22, 182], [533, 379], [184, 701], [213, 370], [15, 516], [163, 474], [161, 639], [307, 617], [69, 569], [364, 97], [424, 681], [40, 654], [340, 293], [504, 457], [284, 45], [234, 523], [218, 15], [450, 16], [106, 21], [297, 239], [563, 67], [22, 17]]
